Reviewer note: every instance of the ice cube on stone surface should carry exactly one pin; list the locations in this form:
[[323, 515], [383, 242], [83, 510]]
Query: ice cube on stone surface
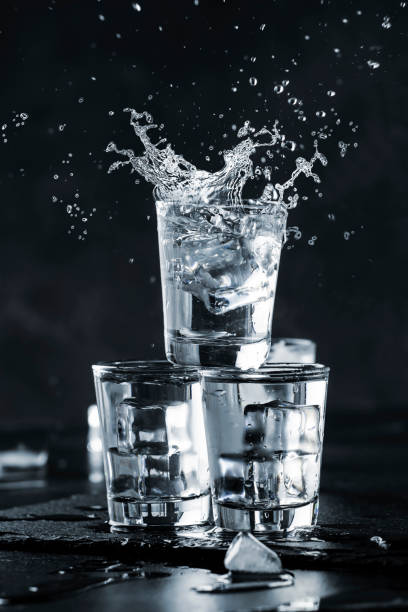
[[141, 427], [247, 555]]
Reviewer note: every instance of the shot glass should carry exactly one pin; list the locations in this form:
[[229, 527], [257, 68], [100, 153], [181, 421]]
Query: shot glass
[[219, 267], [265, 435], [292, 350], [155, 456]]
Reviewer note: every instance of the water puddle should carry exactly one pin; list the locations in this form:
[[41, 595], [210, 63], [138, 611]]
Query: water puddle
[[80, 577]]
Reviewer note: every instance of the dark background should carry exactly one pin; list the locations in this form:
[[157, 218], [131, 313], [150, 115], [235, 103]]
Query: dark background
[[68, 302]]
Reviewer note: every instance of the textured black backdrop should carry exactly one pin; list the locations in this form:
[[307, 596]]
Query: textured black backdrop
[[66, 303]]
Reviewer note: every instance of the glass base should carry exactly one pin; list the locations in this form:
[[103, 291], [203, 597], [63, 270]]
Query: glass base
[[210, 354], [277, 521], [126, 515]]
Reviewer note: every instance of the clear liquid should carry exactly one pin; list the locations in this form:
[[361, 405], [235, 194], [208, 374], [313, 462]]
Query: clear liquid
[[218, 282], [274, 480], [264, 442], [147, 477]]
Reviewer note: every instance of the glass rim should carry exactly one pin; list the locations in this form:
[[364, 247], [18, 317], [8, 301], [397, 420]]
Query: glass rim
[[250, 203], [270, 372], [144, 369]]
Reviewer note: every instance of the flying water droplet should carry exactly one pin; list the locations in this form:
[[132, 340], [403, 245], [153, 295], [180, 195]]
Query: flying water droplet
[[386, 23], [292, 101], [101, 17], [285, 83], [136, 6], [346, 235], [262, 26], [320, 114], [331, 93], [253, 81], [373, 65], [278, 89]]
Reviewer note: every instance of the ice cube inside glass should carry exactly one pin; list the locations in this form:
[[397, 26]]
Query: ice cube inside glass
[[155, 455], [219, 266], [265, 435]]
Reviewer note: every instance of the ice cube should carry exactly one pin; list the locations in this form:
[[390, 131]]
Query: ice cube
[[280, 426], [164, 476], [141, 427], [246, 555], [229, 269]]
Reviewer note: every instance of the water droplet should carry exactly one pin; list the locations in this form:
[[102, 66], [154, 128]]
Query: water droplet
[[80, 100], [285, 83], [331, 93], [54, 198], [373, 64], [403, 4], [253, 59], [56, 177], [343, 146], [320, 114], [118, 35], [234, 89], [345, 20], [62, 126], [293, 101], [33, 589], [101, 17], [136, 6], [278, 89], [336, 50], [253, 81], [331, 216], [111, 113], [23, 116], [262, 26], [196, 2], [386, 24], [131, 260], [69, 209], [289, 144], [346, 235], [307, 37]]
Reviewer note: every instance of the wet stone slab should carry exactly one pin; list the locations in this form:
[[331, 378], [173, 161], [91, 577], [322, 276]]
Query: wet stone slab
[[78, 525]]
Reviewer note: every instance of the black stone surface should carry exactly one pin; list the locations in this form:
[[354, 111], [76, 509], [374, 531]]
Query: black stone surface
[[363, 494]]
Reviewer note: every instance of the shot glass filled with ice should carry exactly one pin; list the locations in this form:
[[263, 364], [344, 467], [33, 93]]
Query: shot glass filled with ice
[[265, 437], [219, 267], [155, 455]]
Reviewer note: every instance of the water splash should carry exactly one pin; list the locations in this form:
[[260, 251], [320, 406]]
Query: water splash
[[175, 178]]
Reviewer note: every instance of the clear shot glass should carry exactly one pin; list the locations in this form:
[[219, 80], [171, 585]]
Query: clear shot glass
[[292, 350], [155, 456], [264, 435], [219, 266]]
